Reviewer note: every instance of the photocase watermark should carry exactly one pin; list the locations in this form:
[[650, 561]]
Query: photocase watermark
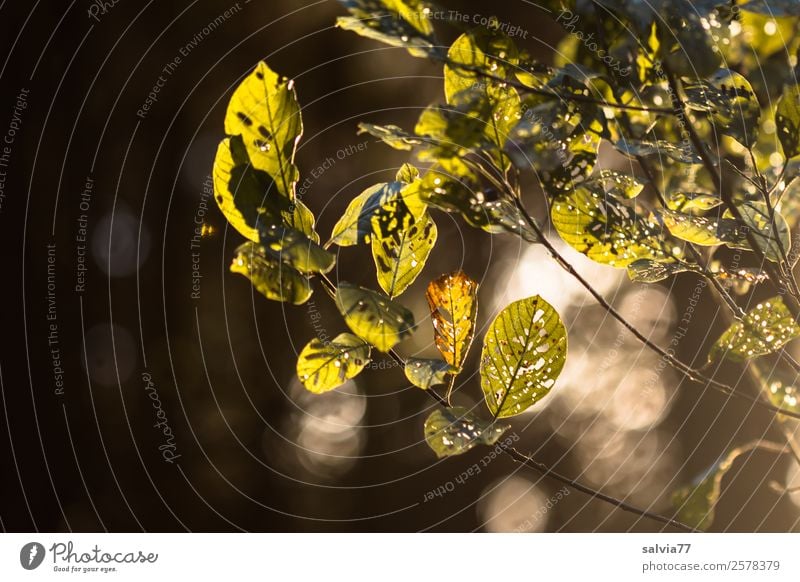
[[475, 469], [569, 20], [100, 8], [536, 517], [31, 555], [168, 449]]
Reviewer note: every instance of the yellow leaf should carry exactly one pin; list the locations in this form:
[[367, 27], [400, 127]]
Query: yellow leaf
[[265, 112]]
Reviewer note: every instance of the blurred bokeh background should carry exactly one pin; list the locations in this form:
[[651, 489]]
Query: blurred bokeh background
[[146, 345]]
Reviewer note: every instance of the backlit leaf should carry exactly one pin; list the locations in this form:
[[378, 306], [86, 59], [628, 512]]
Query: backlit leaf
[[729, 100], [399, 260], [296, 249], [265, 112], [374, 317], [523, 354], [459, 192], [453, 431], [425, 373], [401, 23], [272, 278], [246, 196], [765, 329], [391, 135], [325, 366], [605, 229], [787, 119], [453, 301], [682, 152], [649, 271], [301, 218]]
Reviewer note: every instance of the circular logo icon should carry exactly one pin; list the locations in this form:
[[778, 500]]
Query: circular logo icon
[[31, 555]]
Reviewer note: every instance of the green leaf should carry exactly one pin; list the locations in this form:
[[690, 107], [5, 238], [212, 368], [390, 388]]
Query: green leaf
[[618, 184], [484, 51], [453, 301], [605, 229], [704, 230], [729, 100], [400, 23], [374, 317], [456, 430], [273, 279], [265, 112], [424, 373], [407, 174], [696, 503], [684, 201], [523, 354], [765, 329], [301, 218], [296, 249], [787, 119], [683, 153], [400, 260], [391, 135], [650, 271], [685, 44], [246, 196], [451, 190], [382, 210], [756, 217], [324, 366], [478, 50]]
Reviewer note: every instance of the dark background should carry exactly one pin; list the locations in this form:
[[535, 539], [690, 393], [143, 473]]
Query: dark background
[[223, 364]]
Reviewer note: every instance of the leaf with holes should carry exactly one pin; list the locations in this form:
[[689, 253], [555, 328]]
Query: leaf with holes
[[247, 197], [459, 192], [765, 329], [453, 431], [703, 230], [424, 373], [265, 112], [683, 152], [400, 23], [649, 271], [273, 279], [400, 260], [325, 366], [605, 228], [523, 354], [696, 503], [374, 317], [453, 301], [382, 210], [787, 120], [728, 99]]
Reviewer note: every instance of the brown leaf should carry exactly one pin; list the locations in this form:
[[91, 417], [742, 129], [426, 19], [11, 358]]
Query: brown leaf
[[453, 300]]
